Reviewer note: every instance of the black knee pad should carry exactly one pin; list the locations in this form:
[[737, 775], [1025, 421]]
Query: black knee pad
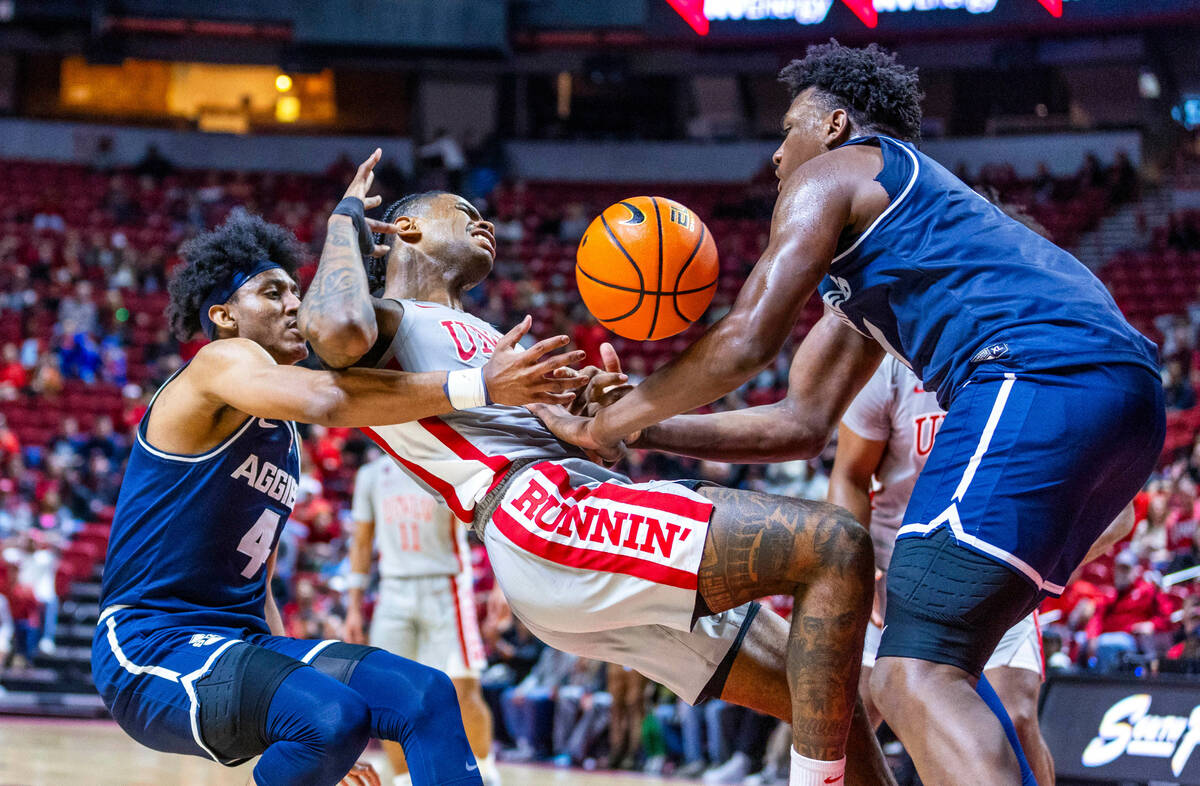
[[949, 604], [234, 698], [339, 660]]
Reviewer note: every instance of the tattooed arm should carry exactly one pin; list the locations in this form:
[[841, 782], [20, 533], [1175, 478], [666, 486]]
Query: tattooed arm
[[338, 314]]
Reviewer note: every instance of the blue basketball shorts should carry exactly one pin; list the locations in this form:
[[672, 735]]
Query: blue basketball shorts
[[151, 678], [1028, 469]]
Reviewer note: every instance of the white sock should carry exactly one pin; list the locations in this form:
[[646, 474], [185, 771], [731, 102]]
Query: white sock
[[402, 780], [487, 770], [811, 772]]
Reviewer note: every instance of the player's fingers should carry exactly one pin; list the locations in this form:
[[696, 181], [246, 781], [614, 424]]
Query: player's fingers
[[559, 385], [613, 395], [560, 360], [608, 356], [379, 251], [547, 345], [545, 411], [364, 169], [375, 225], [372, 201], [607, 379], [510, 339], [562, 399]]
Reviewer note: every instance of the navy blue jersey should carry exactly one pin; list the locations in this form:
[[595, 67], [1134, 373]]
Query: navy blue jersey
[[945, 281], [192, 534]]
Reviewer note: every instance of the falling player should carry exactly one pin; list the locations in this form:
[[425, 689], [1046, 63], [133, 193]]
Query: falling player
[[184, 655], [1055, 407], [656, 576], [426, 607]]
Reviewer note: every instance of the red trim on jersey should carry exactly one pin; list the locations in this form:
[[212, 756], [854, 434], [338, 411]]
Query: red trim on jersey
[[462, 636], [587, 559], [661, 501], [461, 446], [437, 484]]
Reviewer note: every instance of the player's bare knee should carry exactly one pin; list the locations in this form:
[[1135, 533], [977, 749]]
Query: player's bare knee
[[1024, 717], [843, 547], [895, 684]]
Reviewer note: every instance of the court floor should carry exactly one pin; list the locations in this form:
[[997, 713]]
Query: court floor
[[46, 752]]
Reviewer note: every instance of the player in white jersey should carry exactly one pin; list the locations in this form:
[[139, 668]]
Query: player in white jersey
[[884, 438], [656, 576], [426, 606]]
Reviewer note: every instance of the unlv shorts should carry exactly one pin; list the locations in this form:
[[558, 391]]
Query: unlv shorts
[[607, 570]]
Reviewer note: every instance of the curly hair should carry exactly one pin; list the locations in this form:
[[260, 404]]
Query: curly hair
[[879, 94], [377, 266], [213, 257]]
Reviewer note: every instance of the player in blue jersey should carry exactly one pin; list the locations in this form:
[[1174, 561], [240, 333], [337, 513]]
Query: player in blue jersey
[[185, 655], [1055, 407]]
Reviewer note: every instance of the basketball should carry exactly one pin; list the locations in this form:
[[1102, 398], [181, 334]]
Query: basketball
[[647, 268]]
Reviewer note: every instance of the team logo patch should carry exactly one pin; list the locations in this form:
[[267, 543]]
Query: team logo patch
[[993, 352], [205, 639]]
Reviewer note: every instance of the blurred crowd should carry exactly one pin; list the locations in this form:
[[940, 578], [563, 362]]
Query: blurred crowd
[[84, 255]]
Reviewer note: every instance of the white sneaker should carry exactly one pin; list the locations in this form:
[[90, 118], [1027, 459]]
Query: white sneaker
[[732, 771], [46, 647]]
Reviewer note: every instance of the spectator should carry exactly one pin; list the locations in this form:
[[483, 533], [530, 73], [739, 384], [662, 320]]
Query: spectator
[[528, 707], [1177, 386], [1151, 536], [13, 376], [628, 691], [1187, 638], [1131, 612], [448, 153], [154, 163]]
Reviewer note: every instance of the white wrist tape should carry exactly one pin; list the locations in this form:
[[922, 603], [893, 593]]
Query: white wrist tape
[[357, 581], [466, 390]]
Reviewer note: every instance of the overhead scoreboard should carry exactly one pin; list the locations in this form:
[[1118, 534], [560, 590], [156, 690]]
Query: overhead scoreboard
[[747, 18]]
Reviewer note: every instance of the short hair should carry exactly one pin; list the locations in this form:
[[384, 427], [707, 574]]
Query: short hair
[[878, 93], [405, 205], [211, 258]]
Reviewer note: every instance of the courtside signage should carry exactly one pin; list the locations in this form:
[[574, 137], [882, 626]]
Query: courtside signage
[[1118, 729]]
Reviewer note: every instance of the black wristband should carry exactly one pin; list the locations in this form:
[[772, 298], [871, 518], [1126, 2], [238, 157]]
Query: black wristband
[[353, 207]]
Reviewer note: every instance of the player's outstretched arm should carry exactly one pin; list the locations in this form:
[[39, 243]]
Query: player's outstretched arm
[[829, 368], [240, 374], [813, 209], [338, 314]]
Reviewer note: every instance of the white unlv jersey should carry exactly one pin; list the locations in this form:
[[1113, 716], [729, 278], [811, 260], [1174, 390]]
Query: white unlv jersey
[[415, 531], [894, 408], [460, 455]]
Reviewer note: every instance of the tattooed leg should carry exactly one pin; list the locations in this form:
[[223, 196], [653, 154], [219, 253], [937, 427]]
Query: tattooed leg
[[758, 680], [760, 544]]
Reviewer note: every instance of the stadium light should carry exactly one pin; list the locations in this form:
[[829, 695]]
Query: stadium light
[[283, 83]]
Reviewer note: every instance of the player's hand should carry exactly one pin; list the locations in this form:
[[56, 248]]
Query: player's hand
[[361, 774], [516, 376], [605, 385], [577, 430], [352, 629], [364, 178]]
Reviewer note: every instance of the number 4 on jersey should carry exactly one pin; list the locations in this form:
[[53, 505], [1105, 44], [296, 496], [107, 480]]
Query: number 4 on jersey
[[256, 543]]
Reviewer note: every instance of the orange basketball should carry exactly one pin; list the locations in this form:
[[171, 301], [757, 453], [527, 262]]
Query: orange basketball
[[647, 268]]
